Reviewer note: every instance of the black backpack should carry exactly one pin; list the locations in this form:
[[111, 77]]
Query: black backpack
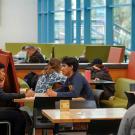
[[31, 79]]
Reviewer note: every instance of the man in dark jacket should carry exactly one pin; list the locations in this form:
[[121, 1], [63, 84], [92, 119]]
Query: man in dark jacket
[[34, 55], [9, 110], [99, 71]]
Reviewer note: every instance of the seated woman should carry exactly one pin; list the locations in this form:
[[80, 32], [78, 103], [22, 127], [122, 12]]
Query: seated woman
[[99, 71], [9, 111], [51, 77], [34, 55]]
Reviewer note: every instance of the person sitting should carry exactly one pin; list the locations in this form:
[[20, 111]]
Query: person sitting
[[76, 85], [127, 125], [9, 110], [51, 77], [21, 56], [99, 71], [34, 55]]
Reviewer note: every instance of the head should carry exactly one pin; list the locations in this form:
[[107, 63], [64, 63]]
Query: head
[[55, 64], [30, 50], [97, 62], [69, 65], [2, 75]]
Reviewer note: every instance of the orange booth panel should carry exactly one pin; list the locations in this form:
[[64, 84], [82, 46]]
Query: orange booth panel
[[116, 55], [131, 66]]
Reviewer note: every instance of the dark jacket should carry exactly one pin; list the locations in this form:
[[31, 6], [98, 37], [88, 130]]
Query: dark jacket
[[76, 86], [6, 99], [37, 57], [103, 74]]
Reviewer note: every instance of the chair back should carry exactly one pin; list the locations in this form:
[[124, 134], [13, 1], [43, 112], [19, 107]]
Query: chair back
[[79, 104], [131, 99], [132, 86], [116, 55]]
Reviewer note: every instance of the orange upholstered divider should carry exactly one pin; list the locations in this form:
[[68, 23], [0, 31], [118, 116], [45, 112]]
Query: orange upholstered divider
[[115, 55], [131, 66]]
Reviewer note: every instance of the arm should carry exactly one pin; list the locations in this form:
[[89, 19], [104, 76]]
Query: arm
[[75, 91], [10, 96]]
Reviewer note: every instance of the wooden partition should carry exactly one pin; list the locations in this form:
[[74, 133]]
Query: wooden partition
[[116, 70]]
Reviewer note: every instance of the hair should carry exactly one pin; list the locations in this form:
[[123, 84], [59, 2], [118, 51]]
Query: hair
[[71, 61], [53, 65], [2, 65], [97, 62]]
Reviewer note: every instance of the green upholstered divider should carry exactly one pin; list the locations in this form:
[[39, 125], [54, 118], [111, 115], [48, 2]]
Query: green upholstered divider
[[68, 50], [60, 50], [14, 47], [46, 49], [98, 51]]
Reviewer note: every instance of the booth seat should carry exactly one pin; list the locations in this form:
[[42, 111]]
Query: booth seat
[[89, 51], [120, 99]]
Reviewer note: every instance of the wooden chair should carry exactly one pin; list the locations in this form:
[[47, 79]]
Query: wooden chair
[[116, 55]]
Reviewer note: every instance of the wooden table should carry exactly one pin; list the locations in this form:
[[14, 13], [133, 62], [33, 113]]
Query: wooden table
[[31, 99], [27, 99], [83, 115]]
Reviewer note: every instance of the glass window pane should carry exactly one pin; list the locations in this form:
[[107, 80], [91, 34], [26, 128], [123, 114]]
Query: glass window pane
[[122, 25], [59, 4], [97, 25], [59, 27], [97, 2], [122, 1], [73, 4]]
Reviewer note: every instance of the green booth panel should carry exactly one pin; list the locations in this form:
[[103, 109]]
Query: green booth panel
[[68, 50], [98, 51], [46, 49]]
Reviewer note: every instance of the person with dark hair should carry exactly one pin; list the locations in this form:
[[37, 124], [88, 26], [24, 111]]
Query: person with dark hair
[[76, 85], [34, 55], [99, 71], [9, 111]]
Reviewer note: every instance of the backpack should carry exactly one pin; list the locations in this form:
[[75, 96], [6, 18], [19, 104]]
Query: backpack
[[31, 79]]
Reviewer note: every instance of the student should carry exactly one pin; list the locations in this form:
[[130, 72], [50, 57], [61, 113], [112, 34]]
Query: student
[[50, 77], [34, 55], [76, 85], [9, 111], [99, 71], [127, 125]]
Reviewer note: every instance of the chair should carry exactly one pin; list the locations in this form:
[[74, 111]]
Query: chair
[[131, 99], [40, 103], [8, 125], [79, 104], [116, 55], [132, 86]]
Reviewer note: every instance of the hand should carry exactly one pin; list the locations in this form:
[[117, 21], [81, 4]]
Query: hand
[[51, 93], [95, 67], [30, 93], [96, 79]]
